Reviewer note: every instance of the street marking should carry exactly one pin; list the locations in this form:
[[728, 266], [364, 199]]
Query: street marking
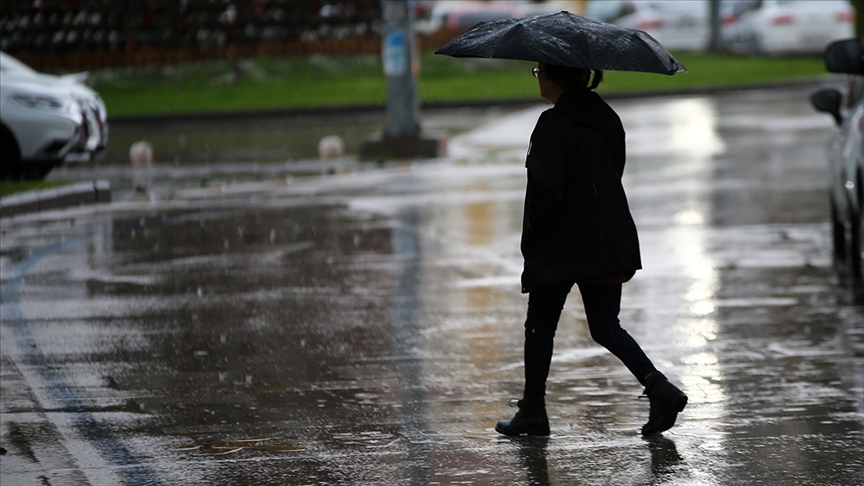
[[102, 457]]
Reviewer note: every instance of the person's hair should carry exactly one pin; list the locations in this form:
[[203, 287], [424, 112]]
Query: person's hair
[[571, 78]]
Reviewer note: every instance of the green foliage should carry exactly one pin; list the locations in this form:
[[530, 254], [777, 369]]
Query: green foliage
[[716, 70], [261, 84], [8, 187]]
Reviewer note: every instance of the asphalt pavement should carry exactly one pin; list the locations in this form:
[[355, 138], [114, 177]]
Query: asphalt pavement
[[364, 325]]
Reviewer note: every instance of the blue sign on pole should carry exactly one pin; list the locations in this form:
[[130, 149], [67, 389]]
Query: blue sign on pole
[[394, 55]]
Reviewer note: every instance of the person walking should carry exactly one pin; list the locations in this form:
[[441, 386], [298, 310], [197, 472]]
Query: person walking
[[577, 230]]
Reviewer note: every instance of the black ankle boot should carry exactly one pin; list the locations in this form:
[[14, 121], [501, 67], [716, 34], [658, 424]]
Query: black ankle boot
[[666, 401], [531, 419]]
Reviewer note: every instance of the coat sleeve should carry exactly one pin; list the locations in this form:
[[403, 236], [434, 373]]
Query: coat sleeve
[[546, 172]]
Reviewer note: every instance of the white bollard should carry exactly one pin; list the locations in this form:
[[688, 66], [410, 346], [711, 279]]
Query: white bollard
[[331, 147], [141, 156]]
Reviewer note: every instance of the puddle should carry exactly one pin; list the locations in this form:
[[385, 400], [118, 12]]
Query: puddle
[[236, 445]]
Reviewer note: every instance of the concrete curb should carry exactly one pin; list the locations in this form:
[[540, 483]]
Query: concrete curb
[[97, 191]]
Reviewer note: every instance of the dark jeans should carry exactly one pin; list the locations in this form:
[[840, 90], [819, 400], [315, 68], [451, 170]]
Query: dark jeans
[[602, 304]]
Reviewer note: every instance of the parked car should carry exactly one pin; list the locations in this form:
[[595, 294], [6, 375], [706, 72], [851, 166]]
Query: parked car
[[845, 157], [40, 126], [462, 14], [787, 26], [91, 103], [677, 24], [464, 18]]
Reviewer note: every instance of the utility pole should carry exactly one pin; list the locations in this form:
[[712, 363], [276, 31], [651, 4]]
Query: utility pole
[[858, 5], [715, 41], [398, 54], [402, 138]]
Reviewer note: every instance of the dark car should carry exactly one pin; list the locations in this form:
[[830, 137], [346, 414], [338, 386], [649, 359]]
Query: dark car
[[845, 158]]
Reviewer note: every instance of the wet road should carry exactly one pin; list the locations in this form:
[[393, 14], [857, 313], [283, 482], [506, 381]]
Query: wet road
[[365, 327]]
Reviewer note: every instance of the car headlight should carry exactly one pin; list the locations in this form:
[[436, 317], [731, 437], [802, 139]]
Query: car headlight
[[45, 102], [94, 104]]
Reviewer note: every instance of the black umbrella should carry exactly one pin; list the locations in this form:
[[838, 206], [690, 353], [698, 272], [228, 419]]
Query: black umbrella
[[567, 40]]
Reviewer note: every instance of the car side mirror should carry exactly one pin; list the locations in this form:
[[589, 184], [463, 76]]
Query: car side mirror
[[828, 101], [845, 56]]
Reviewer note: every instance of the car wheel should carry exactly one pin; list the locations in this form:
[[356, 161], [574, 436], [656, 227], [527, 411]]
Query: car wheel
[[10, 156], [838, 234], [754, 45], [36, 173], [855, 257]]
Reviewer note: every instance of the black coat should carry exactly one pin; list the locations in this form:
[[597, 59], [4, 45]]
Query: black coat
[[577, 225]]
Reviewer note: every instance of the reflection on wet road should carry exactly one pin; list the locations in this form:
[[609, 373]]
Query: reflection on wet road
[[365, 328]]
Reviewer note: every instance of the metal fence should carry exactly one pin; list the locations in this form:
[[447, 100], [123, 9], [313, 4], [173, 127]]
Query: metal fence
[[52, 35]]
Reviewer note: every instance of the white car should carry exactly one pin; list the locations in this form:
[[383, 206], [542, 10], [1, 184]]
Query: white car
[[462, 14], [677, 24], [787, 26], [91, 103], [40, 126], [846, 152]]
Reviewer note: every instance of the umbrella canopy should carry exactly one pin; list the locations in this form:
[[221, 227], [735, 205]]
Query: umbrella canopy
[[565, 39]]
